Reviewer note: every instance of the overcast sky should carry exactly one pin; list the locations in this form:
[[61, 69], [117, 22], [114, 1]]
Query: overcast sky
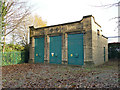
[[63, 11]]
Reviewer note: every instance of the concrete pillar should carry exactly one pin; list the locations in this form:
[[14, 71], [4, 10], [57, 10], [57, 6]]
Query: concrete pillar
[[64, 48], [46, 51], [48, 47]]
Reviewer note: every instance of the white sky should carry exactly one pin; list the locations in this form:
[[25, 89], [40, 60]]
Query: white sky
[[63, 11]]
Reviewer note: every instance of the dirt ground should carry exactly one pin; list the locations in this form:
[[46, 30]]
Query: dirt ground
[[60, 76]]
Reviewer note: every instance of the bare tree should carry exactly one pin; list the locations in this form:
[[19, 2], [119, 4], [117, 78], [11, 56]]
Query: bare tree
[[117, 18], [21, 35], [22, 32], [111, 5], [14, 11]]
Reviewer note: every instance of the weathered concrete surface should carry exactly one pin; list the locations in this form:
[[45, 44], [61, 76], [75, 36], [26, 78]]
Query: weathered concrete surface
[[99, 42]]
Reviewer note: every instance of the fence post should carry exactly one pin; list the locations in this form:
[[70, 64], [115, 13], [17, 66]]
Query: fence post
[[16, 57], [13, 58]]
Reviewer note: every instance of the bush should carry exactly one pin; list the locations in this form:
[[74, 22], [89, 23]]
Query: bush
[[12, 47]]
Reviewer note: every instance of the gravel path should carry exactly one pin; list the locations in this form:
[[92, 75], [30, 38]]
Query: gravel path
[[60, 76]]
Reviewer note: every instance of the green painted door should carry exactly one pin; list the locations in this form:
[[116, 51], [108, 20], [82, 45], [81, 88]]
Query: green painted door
[[104, 54], [75, 49], [55, 49], [39, 50]]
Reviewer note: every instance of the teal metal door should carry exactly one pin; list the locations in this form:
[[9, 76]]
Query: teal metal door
[[104, 54], [39, 50], [75, 49], [55, 49]]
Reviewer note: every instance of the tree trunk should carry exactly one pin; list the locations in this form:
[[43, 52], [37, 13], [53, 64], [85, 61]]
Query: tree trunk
[[4, 40], [5, 35]]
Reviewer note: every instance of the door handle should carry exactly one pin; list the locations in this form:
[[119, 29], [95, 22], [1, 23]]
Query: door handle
[[36, 54], [76, 55], [56, 55]]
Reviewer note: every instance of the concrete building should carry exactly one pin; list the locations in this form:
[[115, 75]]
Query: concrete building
[[74, 43]]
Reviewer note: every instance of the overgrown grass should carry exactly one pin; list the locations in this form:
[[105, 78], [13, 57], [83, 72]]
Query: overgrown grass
[[113, 65]]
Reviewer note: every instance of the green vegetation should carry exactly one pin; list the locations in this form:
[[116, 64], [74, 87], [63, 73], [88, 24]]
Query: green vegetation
[[12, 47], [15, 57], [15, 54]]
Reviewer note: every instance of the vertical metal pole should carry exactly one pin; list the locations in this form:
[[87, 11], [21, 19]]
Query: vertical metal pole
[[119, 21], [13, 58]]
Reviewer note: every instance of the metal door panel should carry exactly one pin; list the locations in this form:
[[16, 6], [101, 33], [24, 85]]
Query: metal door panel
[[75, 49], [55, 49], [39, 50]]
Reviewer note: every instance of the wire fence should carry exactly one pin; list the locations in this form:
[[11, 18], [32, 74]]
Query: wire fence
[[15, 57]]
